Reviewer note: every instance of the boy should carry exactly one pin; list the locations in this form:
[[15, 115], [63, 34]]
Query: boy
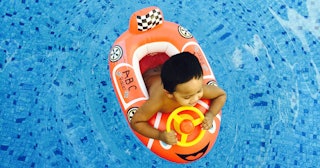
[[177, 83]]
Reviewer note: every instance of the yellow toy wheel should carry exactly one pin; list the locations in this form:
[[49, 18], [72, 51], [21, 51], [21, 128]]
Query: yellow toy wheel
[[185, 123]]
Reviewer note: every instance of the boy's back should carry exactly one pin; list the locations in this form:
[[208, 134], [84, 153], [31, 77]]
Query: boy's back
[[157, 96]]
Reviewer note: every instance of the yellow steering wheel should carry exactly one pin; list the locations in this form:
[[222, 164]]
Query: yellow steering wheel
[[184, 125]]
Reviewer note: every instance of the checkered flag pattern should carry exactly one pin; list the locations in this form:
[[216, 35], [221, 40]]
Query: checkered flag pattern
[[150, 20]]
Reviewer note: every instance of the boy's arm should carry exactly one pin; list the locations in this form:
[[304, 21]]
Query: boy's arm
[[139, 123], [218, 97]]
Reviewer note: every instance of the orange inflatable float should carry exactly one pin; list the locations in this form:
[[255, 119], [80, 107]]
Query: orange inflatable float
[[149, 42]]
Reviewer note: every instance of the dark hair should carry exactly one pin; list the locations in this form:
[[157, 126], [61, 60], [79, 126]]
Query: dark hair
[[179, 69]]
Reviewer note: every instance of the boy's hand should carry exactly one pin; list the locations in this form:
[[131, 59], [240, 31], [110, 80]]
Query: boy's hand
[[208, 120], [168, 137]]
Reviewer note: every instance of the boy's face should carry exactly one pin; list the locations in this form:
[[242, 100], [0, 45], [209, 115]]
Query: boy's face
[[188, 93]]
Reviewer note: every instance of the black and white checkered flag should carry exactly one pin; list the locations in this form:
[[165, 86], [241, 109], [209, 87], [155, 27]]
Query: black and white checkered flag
[[149, 20]]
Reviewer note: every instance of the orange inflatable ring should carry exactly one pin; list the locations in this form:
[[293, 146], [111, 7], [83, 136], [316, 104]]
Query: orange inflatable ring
[[149, 42]]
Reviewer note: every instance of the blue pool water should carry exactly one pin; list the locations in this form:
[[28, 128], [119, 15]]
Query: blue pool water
[[58, 108]]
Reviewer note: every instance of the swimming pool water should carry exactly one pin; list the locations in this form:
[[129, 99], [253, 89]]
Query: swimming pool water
[[58, 108]]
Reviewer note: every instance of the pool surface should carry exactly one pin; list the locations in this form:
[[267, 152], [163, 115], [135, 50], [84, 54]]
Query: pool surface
[[58, 107]]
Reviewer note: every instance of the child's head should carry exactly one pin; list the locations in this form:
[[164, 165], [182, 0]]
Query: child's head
[[181, 77], [179, 69], [182, 70]]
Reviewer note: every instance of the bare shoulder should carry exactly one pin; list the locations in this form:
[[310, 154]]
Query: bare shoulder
[[155, 100], [151, 106], [211, 91], [152, 76]]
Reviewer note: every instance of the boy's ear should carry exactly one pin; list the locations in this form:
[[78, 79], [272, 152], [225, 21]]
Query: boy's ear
[[170, 95]]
